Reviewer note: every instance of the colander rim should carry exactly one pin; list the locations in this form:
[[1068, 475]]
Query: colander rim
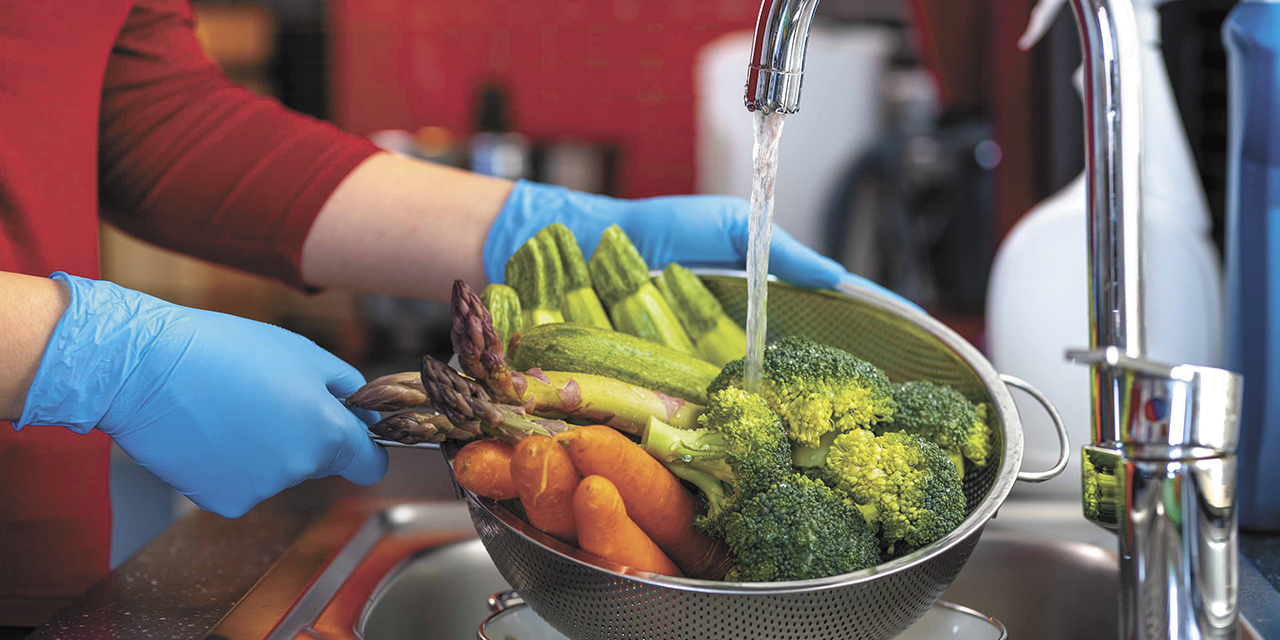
[[1001, 486]]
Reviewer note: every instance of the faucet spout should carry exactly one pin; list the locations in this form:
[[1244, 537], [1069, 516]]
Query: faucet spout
[[776, 70]]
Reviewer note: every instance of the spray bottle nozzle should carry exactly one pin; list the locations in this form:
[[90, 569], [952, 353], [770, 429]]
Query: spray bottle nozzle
[[1042, 18]]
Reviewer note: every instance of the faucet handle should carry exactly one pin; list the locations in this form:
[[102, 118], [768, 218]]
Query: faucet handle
[[1170, 411]]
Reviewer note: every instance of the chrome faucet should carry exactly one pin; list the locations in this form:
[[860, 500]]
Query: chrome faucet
[[1161, 469]]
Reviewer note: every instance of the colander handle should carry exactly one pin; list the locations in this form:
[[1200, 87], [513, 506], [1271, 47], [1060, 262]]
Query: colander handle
[[1064, 443], [503, 600]]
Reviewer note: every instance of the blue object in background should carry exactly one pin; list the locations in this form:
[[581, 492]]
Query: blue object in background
[[1252, 38]]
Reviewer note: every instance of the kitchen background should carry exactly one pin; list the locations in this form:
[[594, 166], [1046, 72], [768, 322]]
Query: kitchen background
[[925, 135]]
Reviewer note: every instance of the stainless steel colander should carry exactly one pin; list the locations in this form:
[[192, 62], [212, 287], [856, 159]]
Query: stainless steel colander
[[587, 599]]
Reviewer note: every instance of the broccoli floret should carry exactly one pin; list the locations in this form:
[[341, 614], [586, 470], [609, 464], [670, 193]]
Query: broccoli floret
[[902, 482], [816, 389], [941, 414], [740, 450], [796, 530]]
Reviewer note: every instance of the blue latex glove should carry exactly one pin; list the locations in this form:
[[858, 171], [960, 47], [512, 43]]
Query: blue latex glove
[[695, 231], [225, 410]]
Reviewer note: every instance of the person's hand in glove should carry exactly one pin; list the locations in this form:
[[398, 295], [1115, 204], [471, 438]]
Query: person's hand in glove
[[225, 410], [694, 231]]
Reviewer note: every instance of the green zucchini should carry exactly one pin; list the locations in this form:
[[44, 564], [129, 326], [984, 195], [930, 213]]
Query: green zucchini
[[579, 348], [503, 304]]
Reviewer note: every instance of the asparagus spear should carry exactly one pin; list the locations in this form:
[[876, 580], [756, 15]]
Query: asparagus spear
[[394, 392], [585, 397], [468, 406], [413, 428], [479, 348]]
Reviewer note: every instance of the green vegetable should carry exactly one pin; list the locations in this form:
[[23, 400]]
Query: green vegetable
[[537, 275], [583, 397], [902, 482], [718, 338], [580, 303], [612, 354], [467, 406], [796, 530], [816, 389], [740, 450], [504, 306], [778, 524], [941, 414], [621, 279]]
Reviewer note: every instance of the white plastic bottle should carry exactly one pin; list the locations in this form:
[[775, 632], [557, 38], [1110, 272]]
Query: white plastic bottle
[[1037, 304]]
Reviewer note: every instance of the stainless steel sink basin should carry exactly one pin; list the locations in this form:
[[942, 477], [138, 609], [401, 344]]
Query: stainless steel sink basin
[[1043, 589], [458, 579]]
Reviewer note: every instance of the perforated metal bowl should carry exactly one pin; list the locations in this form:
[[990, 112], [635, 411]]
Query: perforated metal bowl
[[586, 598]]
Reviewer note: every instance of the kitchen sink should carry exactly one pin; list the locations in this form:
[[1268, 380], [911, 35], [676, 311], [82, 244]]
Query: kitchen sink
[[1038, 588], [418, 571]]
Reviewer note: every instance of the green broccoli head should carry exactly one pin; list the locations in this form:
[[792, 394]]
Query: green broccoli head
[[796, 530], [816, 389], [900, 481], [940, 413], [740, 450]]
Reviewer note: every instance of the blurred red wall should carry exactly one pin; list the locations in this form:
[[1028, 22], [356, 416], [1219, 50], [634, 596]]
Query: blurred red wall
[[611, 71]]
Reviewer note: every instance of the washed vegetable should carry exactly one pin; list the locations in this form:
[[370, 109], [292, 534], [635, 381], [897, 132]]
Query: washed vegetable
[[718, 338], [535, 272], [412, 427], [479, 347], [581, 396], [483, 467], [605, 530], [468, 406], [901, 482], [655, 499], [503, 304], [621, 279], [942, 415], [778, 524], [796, 530], [612, 354], [581, 304], [394, 392], [740, 450], [546, 479], [816, 389]]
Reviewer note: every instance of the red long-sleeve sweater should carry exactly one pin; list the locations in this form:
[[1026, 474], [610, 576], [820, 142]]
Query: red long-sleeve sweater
[[110, 106]]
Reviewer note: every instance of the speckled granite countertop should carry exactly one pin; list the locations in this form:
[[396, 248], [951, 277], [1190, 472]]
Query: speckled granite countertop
[[1264, 552], [182, 583], [186, 580]]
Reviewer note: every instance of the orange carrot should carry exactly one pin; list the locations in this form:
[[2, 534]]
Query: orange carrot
[[545, 478], [655, 499], [483, 467], [605, 530]]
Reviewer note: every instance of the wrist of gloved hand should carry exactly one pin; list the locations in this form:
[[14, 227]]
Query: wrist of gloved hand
[[227, 411], [95, 347], [696, 231]]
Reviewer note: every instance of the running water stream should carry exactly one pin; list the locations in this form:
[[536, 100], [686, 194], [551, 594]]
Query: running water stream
[[768, 133]]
